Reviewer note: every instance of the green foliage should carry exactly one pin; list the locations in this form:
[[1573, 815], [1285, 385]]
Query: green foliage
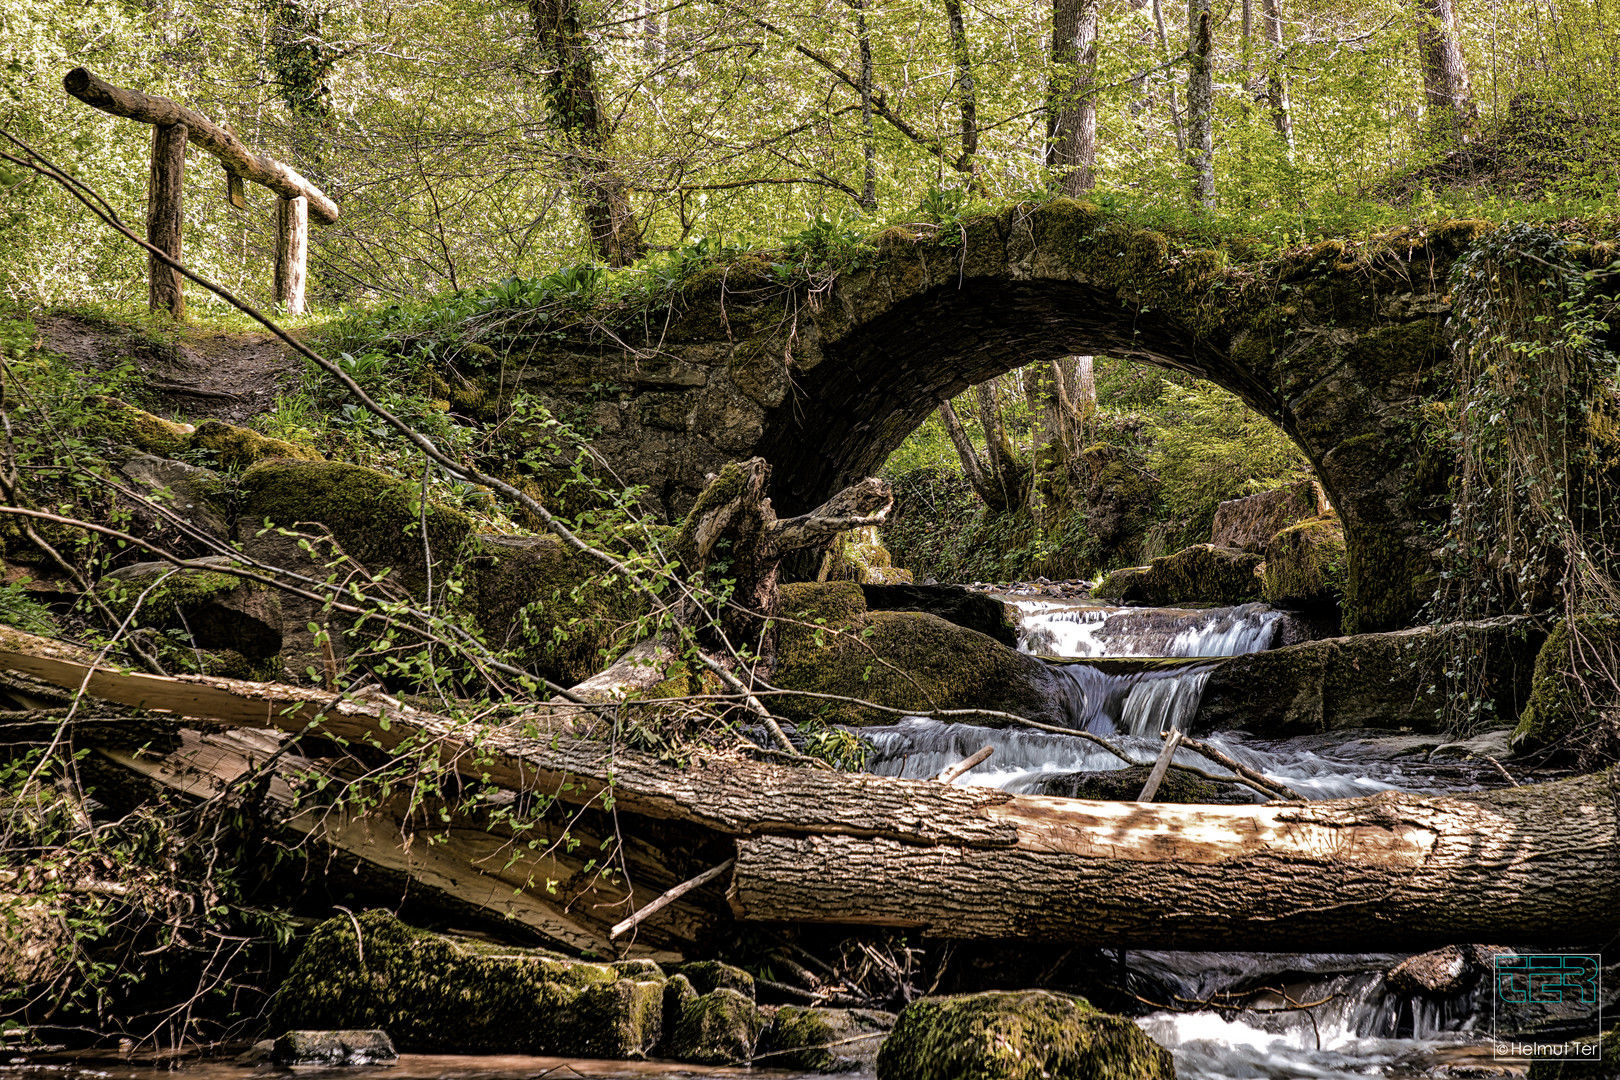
[[1208, 447]]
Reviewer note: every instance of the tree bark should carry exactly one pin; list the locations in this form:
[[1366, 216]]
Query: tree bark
[[1201, 102], [1452, 117], [967, 100], [1393, 871], [868, 147], [576, 110], [1389, 872], [996, 447], [165, 218], [1277, 100], [292, 253], [732, 516], [1071, 127], [149, 109], [989, 492]]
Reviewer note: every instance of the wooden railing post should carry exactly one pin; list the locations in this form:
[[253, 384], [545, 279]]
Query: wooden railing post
[[165, 211], [292, 252]]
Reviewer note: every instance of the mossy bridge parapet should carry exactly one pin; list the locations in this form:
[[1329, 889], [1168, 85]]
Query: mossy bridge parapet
[[1337, 344]]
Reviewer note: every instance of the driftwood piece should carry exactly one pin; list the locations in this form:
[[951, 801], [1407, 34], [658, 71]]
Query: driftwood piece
[[1257, 780], [212, 137], [955, 772], [1391, 871], [1172, 739]]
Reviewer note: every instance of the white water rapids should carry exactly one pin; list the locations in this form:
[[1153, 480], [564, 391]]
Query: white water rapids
[[1359, 1026]]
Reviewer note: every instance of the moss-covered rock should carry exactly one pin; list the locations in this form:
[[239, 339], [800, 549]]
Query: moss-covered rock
[[1391, 681], [1305, 564], [964, 607], [1018, 1035], [706, 976], [718, 1028], [1567, 704], [824, 1040], [548, 604], [435, 993], [1202, 573], [123, 423], [212, 609], [859, 555], [1248, 524], [829, 643], [374, 517], [237, 448]]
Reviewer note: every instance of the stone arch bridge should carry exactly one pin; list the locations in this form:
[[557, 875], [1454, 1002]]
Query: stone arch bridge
[[1338, 345]]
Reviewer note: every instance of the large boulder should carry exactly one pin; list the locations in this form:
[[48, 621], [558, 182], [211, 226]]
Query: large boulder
[[824, 1040], [1018, 1035], [1202, 573], [1248, 524], [953, 603], [1305, 564], [433, 993], [830, 643], [1571, 703], [1392, 680]]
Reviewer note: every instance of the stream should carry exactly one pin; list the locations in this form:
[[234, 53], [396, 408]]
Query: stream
[[1358, 1026]]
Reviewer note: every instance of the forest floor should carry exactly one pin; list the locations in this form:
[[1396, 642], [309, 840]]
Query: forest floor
[[198, 373]]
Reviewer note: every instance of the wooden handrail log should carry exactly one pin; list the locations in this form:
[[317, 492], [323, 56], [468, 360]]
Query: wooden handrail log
[[232, 153]]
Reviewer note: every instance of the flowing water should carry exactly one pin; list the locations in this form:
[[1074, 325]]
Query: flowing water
[[1224, 1015]]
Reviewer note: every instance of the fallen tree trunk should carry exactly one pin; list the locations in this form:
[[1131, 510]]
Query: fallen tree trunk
[[1393, 871]]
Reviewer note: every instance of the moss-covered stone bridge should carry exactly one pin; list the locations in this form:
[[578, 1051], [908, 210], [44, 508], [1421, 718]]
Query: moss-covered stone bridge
[[1337, 344]]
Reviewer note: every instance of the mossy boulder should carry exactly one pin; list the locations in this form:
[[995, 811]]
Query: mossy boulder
[[707, 976], [1391, 681], [1248, 524], [1568, 704], [1119, 504], [830, 643], [237, 448], [953, 603], [433, 993], [721, 1027], [121, 422], [212, 609], [1018, 1035], [374, 517], [859, 555], [824, 1040], [549, 604], [1202, 573], [1305, 564]]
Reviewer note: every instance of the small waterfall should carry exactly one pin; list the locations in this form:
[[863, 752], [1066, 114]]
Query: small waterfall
[[1052, 628], [1142, 702], [1360, 1020]]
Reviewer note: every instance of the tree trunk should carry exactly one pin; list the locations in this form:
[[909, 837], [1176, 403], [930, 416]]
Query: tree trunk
[[1071, 104], [1393, 871], [1452, 117], [983, 486], [576, 111], [165, 218], [1164, 47], [996, 447], [1282, 110], [292, 253], [734, 519], [868, 147], [967, 101], [1390, 872], [1201, 102]]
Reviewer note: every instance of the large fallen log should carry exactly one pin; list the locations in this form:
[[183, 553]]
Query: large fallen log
[[1393, 871]]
